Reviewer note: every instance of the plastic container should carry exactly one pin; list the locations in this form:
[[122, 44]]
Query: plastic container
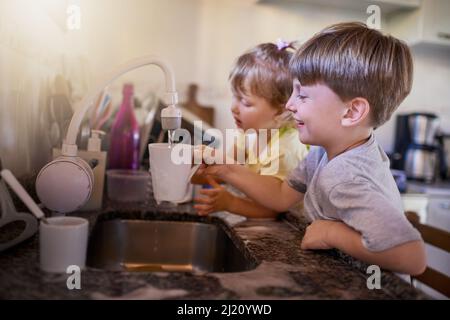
[[127, 185], [125, 141]]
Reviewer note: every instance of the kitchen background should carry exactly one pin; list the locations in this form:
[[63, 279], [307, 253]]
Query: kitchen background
[[201, 38], [57, 48]]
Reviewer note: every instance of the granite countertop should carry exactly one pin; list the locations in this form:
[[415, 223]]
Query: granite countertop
[[283, 272], [438, 188]]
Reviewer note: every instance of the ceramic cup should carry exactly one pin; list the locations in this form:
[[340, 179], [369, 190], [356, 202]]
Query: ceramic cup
[[170, 168], [63, 242]]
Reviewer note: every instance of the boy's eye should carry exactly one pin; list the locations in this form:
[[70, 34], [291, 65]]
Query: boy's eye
[[301, 97], [246, 103]]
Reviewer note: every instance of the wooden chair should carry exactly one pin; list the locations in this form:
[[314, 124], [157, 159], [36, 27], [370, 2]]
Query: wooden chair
[[440, 239]]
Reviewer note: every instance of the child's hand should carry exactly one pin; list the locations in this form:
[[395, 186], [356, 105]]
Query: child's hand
[[217, 171], [217, 199], [198, 177], [316, 235], [215, 163]]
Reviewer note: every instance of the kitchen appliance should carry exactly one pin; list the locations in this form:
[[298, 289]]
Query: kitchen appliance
[[401, 143], [416, 149], [423, 128], [420, 162], [444, 142]]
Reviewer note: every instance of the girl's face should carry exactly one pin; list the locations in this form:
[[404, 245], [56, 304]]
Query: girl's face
[[317, 111], [253, 112]]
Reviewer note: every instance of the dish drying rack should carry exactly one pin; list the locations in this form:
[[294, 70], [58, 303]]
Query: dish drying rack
[[15, 226]]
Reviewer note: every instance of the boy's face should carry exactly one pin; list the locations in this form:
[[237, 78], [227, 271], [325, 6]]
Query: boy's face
[[252, 112], [318, 112]]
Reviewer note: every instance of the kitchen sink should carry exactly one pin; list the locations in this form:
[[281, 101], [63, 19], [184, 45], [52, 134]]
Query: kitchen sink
[[153, 245]]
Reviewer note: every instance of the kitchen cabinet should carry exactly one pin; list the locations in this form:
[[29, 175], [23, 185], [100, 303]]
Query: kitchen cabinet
[[428, 25], [387, 6], [418, 22]]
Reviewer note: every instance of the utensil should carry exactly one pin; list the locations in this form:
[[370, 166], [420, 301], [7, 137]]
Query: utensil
[[22, 194], [104, 117], [102, 110], [9, 215]]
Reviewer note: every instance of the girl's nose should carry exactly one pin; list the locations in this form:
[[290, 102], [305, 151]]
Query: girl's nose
[[234, 107]]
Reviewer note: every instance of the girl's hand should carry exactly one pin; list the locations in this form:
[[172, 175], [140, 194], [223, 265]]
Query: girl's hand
[[215, 163], [316, 235], [217, 171], [199, 177], [217, 199]]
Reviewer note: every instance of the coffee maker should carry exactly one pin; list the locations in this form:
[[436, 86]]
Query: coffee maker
[[417, 150]]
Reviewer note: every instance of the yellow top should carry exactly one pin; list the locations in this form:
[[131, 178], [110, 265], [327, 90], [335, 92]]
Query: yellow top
[[280, 156]]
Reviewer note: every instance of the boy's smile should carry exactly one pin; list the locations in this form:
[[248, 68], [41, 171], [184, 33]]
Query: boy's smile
[[300, 123]]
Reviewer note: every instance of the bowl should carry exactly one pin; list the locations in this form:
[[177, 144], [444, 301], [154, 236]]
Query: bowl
[[127, 185]]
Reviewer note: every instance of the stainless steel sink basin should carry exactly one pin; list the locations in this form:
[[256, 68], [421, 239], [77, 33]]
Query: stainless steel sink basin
[[149, 245]]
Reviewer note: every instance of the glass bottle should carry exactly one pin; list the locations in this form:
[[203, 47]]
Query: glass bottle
[[125, 141]]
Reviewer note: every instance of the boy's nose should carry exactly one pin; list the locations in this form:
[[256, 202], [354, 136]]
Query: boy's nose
[[290, 106]]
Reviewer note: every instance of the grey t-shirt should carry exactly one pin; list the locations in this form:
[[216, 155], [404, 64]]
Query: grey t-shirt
[[355, 187]]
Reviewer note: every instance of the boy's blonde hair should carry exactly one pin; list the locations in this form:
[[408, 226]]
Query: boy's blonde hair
[[264, 71], [355, 61]]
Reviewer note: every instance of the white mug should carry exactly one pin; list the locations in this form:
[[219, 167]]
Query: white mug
[[170, 174], [63, 242]]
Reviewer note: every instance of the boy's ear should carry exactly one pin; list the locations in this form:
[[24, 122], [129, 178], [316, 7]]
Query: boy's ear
[[357, 110]]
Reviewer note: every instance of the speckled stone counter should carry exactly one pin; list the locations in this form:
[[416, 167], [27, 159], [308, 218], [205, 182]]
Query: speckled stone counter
[[283, 271]]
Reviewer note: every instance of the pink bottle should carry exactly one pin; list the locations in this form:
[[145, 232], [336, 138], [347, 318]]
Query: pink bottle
[[124, 144]]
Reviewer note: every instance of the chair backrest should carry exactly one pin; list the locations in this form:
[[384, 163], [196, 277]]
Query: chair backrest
[[206, 113], [440, 239]]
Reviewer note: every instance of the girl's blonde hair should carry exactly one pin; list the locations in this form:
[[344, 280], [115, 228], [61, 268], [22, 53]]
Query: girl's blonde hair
[[264, 72]]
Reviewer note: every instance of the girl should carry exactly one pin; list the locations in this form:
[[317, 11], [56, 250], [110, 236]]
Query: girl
[[261, 86]]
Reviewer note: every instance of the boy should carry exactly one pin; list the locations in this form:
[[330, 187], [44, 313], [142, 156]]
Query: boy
[[348, 80]]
